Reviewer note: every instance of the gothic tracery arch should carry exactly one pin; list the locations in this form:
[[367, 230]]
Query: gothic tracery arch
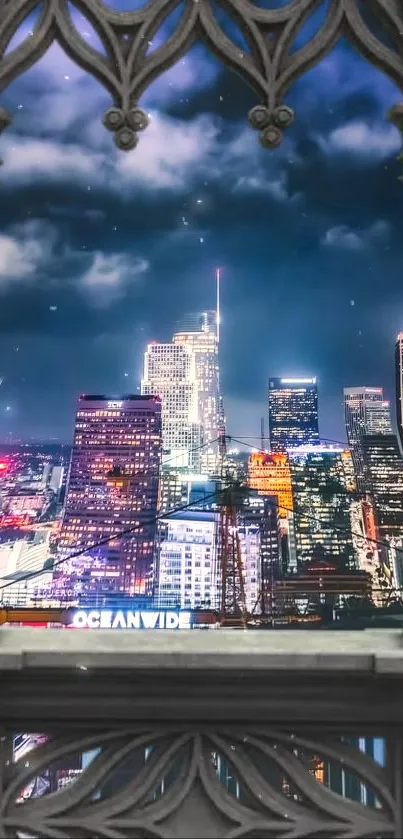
[[269, 65]]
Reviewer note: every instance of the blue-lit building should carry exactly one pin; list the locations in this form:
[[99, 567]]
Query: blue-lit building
[[293, 413]]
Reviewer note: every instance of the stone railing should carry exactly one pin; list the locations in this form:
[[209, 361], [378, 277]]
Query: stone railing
[[256, 735]]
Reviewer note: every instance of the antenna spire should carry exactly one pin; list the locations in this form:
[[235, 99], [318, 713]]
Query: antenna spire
[[218, 278]]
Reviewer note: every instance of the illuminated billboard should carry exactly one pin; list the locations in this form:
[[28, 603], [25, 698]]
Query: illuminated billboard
[[127, 619]]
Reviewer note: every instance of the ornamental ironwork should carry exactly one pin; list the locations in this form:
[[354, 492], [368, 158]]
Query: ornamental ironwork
[[269, 62], [211, 782]]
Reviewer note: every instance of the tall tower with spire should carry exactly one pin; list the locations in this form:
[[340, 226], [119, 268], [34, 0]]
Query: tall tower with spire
[[204, 345]]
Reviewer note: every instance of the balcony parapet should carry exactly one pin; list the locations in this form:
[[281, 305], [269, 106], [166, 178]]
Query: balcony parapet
[[201, 734], [288, 676]]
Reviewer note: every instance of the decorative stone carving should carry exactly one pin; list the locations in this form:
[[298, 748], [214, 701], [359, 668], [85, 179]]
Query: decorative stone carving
[[230, 782], [236, 735], [267, 63]]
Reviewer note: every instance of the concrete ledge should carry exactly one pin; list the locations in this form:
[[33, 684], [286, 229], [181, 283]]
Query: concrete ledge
[[109, 678], [378, 651]]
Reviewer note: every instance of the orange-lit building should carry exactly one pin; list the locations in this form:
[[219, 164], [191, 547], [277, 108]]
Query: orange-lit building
[[270, 474]]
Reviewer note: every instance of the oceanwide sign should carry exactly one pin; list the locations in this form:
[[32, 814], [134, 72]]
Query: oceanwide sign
[[123, 619]]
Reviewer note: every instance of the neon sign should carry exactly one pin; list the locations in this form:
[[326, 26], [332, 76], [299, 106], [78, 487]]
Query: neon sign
[[298, 381], [115, 404], [123, 619]]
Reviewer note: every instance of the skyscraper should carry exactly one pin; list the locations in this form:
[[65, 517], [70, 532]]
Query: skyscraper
[[383, 465], [188, 575], [399, 385], [270, 474], [170, 372], [204, 347], [383, 469], [113, 486], [293, 413], [321, 484], [366, 412]]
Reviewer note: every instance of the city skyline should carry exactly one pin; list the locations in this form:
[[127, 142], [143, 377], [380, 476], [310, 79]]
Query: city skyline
[[100, 252]]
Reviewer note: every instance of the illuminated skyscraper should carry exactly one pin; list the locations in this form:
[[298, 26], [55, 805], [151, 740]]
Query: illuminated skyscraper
[[383, 464], [204, 343], [170, 372], [321, 484], [113, 486], [270, 474], [204, 347], [366, 412], [383, 469], [187, 569], [293, 413], [185, 374], [399, 385]]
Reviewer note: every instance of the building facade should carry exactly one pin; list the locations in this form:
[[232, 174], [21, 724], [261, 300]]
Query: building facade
[[322, 506], [270, 474], [366, 412], [112, 487], [293, 413], [170, 373], [187, 574], [262, 514], [383, 465], [399, 385], [203, 345]]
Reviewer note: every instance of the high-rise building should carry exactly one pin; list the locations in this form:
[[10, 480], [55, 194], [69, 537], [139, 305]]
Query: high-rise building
[[321, 484], [399, 385], [185, 374], [366, 412], [270, 474], [170, 372], [187, 574], [293, 413], [180, 487], [383, 465], [383, 469], [262, 513], [204, 347], [250, 536], [112, 487]]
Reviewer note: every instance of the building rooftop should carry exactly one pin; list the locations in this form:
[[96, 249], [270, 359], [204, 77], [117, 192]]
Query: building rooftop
[[192, 515], [131, 397]]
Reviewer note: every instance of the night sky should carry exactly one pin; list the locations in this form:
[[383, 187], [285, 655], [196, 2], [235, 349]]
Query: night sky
[[102, 251]]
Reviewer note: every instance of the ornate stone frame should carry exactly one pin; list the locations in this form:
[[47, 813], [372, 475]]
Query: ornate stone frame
[[257, 699], [127, 67]]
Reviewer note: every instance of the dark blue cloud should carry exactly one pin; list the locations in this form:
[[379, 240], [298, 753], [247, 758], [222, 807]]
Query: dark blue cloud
[[308, 236]]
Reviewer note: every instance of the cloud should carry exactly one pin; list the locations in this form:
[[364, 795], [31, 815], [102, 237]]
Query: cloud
[[30, 159], [108, 274], [168, 154], [35, 249], [62, 91], [275, 187], [363, 141], [171, 152], [345, 238], [23, 249], [196, 71]]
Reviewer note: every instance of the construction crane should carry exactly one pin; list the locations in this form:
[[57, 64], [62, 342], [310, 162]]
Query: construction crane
[[229, 556]]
